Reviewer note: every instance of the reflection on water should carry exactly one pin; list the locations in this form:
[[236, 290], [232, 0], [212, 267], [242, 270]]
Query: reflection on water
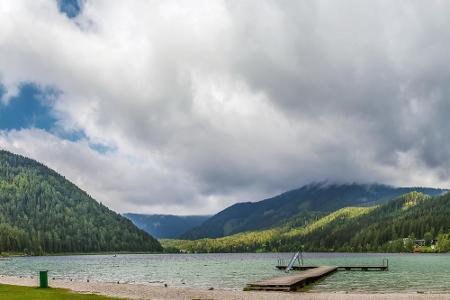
[[407, 272]]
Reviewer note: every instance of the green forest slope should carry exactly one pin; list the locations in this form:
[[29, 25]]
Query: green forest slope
[[274, 239], [42, 212], [353, 229], [312, 198]]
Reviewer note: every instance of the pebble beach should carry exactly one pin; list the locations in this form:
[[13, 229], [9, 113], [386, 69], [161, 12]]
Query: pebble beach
[[156, 292]]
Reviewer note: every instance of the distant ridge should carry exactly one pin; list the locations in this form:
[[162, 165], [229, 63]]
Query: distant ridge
[[389, 227], [42, 212], [165, 226], [316, 197]]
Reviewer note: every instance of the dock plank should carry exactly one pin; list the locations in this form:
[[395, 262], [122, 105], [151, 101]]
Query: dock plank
[[292, 282]]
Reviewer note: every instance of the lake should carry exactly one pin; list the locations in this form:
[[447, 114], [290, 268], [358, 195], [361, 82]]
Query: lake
[[407, 272]]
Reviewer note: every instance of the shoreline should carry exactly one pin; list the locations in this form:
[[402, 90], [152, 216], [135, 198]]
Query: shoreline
[[17, 254], [149, 291]]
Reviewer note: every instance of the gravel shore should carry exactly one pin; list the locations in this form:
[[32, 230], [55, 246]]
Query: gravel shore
[[141, 291]]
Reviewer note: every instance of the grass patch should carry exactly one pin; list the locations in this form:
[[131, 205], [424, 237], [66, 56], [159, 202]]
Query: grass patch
[[14, 292]]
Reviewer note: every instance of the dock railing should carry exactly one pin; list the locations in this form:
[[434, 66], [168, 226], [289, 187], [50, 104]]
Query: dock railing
[[281, 262]]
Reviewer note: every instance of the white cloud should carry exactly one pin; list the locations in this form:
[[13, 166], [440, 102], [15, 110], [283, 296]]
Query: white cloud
[[226, 101]]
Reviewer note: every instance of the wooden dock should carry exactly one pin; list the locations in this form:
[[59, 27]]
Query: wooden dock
[[365, 267], [309, 274], [292, 282], [342, 268]]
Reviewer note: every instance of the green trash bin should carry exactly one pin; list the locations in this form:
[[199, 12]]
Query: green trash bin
[[43, 279]]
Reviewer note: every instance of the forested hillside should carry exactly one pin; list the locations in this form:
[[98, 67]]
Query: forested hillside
[[280, 238], [354, 229], [313, 198], [165, 226], [42, 212]]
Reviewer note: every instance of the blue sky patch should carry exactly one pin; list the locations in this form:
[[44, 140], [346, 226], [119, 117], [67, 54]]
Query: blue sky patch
[[70, 7], [30, 108], [101, 148], [74, 135]]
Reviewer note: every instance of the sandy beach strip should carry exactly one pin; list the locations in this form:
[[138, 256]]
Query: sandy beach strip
[[142, 291]]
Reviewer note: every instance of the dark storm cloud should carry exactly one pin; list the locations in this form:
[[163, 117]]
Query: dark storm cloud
[[231, 101]]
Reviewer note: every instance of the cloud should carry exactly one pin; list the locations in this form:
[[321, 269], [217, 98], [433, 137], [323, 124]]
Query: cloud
[[231, 101], [113, 178]]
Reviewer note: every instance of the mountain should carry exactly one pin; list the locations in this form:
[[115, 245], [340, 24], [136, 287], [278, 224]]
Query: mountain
[[381, 228], [42, 212], [316, 198], [279, 238], [165, 226]]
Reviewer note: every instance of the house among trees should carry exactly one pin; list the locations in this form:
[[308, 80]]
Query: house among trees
[[418, 243]]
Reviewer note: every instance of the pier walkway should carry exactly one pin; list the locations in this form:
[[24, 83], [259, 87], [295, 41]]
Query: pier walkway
[[291, 282], [342, 268], [308, 275]]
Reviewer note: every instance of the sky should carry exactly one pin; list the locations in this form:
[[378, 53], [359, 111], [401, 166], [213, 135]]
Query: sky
[[187, 107]]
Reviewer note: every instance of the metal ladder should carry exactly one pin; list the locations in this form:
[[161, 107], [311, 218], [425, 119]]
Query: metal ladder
[[297, 256]]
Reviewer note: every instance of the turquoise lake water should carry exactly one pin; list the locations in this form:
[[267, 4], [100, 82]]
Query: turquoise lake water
[[407, 272]]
